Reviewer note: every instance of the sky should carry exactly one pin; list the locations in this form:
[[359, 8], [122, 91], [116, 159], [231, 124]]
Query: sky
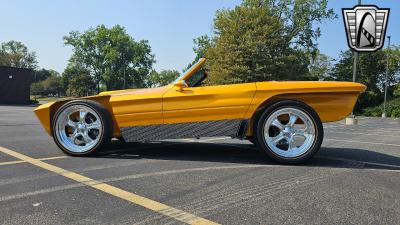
[[169, 25]]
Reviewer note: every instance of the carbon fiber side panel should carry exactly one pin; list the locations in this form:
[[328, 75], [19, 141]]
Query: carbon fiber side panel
[[181, 130]]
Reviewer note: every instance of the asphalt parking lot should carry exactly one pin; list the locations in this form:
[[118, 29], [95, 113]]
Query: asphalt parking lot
[[354, 179]]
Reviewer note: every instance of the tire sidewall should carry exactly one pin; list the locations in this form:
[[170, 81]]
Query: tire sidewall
[[102, 113], [258, 130]]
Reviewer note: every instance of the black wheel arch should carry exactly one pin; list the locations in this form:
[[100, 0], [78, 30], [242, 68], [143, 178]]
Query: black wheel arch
[[265, 105]]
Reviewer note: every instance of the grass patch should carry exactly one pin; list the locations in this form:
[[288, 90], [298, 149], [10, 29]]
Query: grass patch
[[392, 109], [45, 99]]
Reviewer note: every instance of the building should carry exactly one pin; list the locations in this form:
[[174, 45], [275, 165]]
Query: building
[[15, 85]]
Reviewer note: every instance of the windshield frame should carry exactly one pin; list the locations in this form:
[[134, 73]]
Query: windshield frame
[[192, 70]]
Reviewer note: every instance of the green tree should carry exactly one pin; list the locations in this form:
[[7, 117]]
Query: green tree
[[201, 46], [37, 89], [49, 86], [43, 74], [112, 56], [371, 72], [396, 90], [81, 85], [371, 69], [76, 80], [320, 67], [52, 86], [264, 40], [162, 78], [16, 54]]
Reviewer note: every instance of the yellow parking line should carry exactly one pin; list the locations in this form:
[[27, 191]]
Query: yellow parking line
[[41, 159], [117, 192]]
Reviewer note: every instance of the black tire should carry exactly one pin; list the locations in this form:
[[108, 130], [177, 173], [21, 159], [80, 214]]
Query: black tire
[[312, 150], [251, 139], [106, 123]]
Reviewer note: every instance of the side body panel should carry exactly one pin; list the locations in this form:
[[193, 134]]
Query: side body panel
[[138, 107], [333, 106], [196, 104]]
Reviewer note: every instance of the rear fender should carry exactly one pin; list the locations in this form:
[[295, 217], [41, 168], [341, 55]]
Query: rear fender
[[330, 106]]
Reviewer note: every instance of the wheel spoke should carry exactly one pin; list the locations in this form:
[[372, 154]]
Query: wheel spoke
[[94, 125], [291, 143], [277, 123], [71, 123], [75, 136], [86, 138], [292, 119], [277, 138], [82, 115]]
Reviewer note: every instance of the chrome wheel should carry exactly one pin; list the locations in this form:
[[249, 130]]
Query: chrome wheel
[[289, 132], [78, 128]]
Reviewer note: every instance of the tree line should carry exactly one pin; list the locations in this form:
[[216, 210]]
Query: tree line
[[103, 59], [258, 40]]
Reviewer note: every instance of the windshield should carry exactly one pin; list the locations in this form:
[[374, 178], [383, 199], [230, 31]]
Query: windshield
[[196, 79]]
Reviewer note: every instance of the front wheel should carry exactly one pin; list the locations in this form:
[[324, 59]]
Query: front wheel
[[289, 131], [251, 140], [81, 127]]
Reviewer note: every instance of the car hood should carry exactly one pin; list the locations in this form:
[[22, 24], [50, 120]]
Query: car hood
[[134, 91]]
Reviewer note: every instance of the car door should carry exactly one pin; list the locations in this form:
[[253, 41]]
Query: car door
[[208, 103], [139, 107]]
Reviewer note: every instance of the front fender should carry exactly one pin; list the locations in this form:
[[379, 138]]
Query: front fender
[[46, 112]]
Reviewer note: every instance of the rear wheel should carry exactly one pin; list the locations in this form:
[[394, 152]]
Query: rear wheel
[[289, 131], [81, 127]]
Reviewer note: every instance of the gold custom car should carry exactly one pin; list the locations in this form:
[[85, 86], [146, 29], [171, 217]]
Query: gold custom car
[[284, 119]]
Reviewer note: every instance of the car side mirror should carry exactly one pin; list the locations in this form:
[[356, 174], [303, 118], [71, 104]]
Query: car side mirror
[[180, 85]]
